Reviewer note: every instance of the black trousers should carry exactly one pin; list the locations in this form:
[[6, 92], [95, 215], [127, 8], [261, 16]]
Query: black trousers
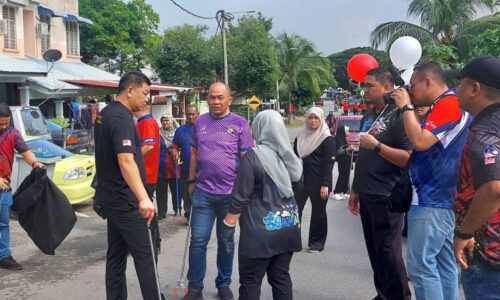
[[128, 233], [344, 168], [318, 229], [155, 228], [382, 231], [186, 199], [162, 195], [252, 271]]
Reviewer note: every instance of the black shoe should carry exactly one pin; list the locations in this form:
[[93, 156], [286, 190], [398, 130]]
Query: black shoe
[[162, 216], [193, 296], [225, 293], [10, 264]]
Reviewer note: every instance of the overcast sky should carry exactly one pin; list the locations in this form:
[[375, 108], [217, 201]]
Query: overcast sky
[[332, 25]]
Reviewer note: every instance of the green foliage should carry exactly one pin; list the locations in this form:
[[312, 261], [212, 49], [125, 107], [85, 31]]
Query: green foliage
[[251, 57], [185, 56], [487, 42], [447, 22], [302, 66], [339, 61], [60, 121], [123, 32], [444, 55]]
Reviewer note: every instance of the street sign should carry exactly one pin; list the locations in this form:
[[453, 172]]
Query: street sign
[[253, 102]]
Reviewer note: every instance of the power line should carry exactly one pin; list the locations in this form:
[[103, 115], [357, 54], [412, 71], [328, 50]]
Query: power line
[[193, 14]]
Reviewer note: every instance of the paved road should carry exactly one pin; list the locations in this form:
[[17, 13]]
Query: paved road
[[77, 270]]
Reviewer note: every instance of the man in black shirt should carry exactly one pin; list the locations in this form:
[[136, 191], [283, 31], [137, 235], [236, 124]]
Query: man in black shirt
[[121, 189], [384, 150]]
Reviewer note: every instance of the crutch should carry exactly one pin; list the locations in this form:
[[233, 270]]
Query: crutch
[[177, 188], [182, 282], [153, 254]]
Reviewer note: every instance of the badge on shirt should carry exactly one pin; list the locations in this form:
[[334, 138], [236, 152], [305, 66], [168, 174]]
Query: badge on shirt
[[126, 143], [230, 129], [490, 154]]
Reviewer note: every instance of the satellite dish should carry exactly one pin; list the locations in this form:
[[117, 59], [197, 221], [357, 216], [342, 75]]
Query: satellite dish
[[52, 55]]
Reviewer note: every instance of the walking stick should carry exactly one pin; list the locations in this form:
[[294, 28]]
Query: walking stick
[[177, 188], [182, 282], [351, 167], [153, 254]]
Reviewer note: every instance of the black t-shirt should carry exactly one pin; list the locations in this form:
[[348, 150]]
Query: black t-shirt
[[115, 133], [269, 224], [373, 174]]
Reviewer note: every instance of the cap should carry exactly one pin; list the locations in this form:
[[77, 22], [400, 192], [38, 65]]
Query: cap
[[485, 69]]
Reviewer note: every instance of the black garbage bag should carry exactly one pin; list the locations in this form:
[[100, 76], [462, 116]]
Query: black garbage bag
[[44, 211]]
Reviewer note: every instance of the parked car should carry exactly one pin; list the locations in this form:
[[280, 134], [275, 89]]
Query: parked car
[[74, 140], [354, 124], [72, 173], [29, 121]]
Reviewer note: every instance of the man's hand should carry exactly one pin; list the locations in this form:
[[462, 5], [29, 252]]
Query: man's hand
[[38, 165], [354, 203], [324, 192], [463, 249], [401, 97], [147, 210], [368, 141], [4, 184]]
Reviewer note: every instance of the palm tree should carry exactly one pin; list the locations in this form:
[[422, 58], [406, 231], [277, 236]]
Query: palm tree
[[449, 22], [300, 63]]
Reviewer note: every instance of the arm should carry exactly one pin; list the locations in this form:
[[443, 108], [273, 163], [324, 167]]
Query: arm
[[175, 153], [422, 139], [328, 160], [242, 191], [30, 159], [398, 157], [130, 173], [485, 204], [146, 148], [192, 169]]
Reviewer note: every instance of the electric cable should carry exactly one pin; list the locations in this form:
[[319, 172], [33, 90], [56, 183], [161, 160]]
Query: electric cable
[[193, 14]]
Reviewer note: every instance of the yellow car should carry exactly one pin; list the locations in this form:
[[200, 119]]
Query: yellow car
[[72, 173]]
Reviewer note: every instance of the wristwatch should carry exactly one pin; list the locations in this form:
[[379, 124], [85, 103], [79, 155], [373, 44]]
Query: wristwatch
[[408, 107], [463, 235], [378, 147]]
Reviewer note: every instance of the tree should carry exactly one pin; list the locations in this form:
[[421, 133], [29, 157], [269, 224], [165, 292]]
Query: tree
[[487, 42], [339, 61], [449, 22], [122, 32], [253, 68], [185, 56], [301, 65]]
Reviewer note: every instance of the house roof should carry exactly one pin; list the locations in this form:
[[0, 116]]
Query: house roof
[[19, 67]]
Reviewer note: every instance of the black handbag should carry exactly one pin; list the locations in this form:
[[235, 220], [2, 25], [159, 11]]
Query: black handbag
[[402, 193]]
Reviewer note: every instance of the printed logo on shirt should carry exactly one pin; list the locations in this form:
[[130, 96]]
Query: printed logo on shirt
[[490, 154], [126, 143], [284, 218], [148, 140], [230, 129]]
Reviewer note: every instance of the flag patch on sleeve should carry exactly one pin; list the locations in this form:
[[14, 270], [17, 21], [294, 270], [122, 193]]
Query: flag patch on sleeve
[[126, 143]]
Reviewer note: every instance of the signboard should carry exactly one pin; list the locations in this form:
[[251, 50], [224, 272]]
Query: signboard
[[253, 102]]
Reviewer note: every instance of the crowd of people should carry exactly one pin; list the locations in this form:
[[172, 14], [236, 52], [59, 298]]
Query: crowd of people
[[221, 171]]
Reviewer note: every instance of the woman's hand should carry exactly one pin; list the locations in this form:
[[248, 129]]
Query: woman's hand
[[324, 192]]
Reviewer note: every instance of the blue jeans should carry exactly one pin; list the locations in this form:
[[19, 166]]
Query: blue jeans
[[480, 282], [206, 208], [5, 203], [431, 262]]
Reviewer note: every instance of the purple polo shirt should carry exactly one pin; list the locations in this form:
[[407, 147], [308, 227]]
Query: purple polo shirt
[[219, 143]]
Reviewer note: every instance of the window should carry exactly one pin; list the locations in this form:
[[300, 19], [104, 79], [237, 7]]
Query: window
[[9, 15], [45, 37], [72, 38]]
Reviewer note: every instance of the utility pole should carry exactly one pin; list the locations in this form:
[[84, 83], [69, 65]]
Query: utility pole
[[222, 18]]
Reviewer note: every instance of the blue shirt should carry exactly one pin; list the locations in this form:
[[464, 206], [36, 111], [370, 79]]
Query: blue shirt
[[182, 141], [434, 172]]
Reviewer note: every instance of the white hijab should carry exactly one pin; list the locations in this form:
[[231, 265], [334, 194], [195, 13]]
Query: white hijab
[[275, 152], [309, 139]]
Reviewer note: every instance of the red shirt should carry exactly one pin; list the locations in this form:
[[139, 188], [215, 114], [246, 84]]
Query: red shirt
[[363, 106], [355, 106], [149, 131], [346, 106], [10, 139]]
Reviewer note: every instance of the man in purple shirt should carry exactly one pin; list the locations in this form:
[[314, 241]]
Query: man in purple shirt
[[220, 138]]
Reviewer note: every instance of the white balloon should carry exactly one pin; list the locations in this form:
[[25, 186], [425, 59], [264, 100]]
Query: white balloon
[[405, 52], [406, 75]]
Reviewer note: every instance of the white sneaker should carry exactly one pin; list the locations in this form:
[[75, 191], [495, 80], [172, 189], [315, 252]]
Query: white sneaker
[[338, 197]]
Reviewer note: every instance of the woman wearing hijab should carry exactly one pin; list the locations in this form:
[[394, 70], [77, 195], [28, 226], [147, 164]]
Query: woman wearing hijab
[[316, 147], [166, 173], [263, 200], [343, 158]]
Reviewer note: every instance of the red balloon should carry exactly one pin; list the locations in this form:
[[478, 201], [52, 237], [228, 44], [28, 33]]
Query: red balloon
[[359, 65]]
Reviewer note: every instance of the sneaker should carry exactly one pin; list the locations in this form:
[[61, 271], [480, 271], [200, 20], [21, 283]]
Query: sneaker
[[338, 197], [314, 250], [10, 263], [225, 293], [193, 296]]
